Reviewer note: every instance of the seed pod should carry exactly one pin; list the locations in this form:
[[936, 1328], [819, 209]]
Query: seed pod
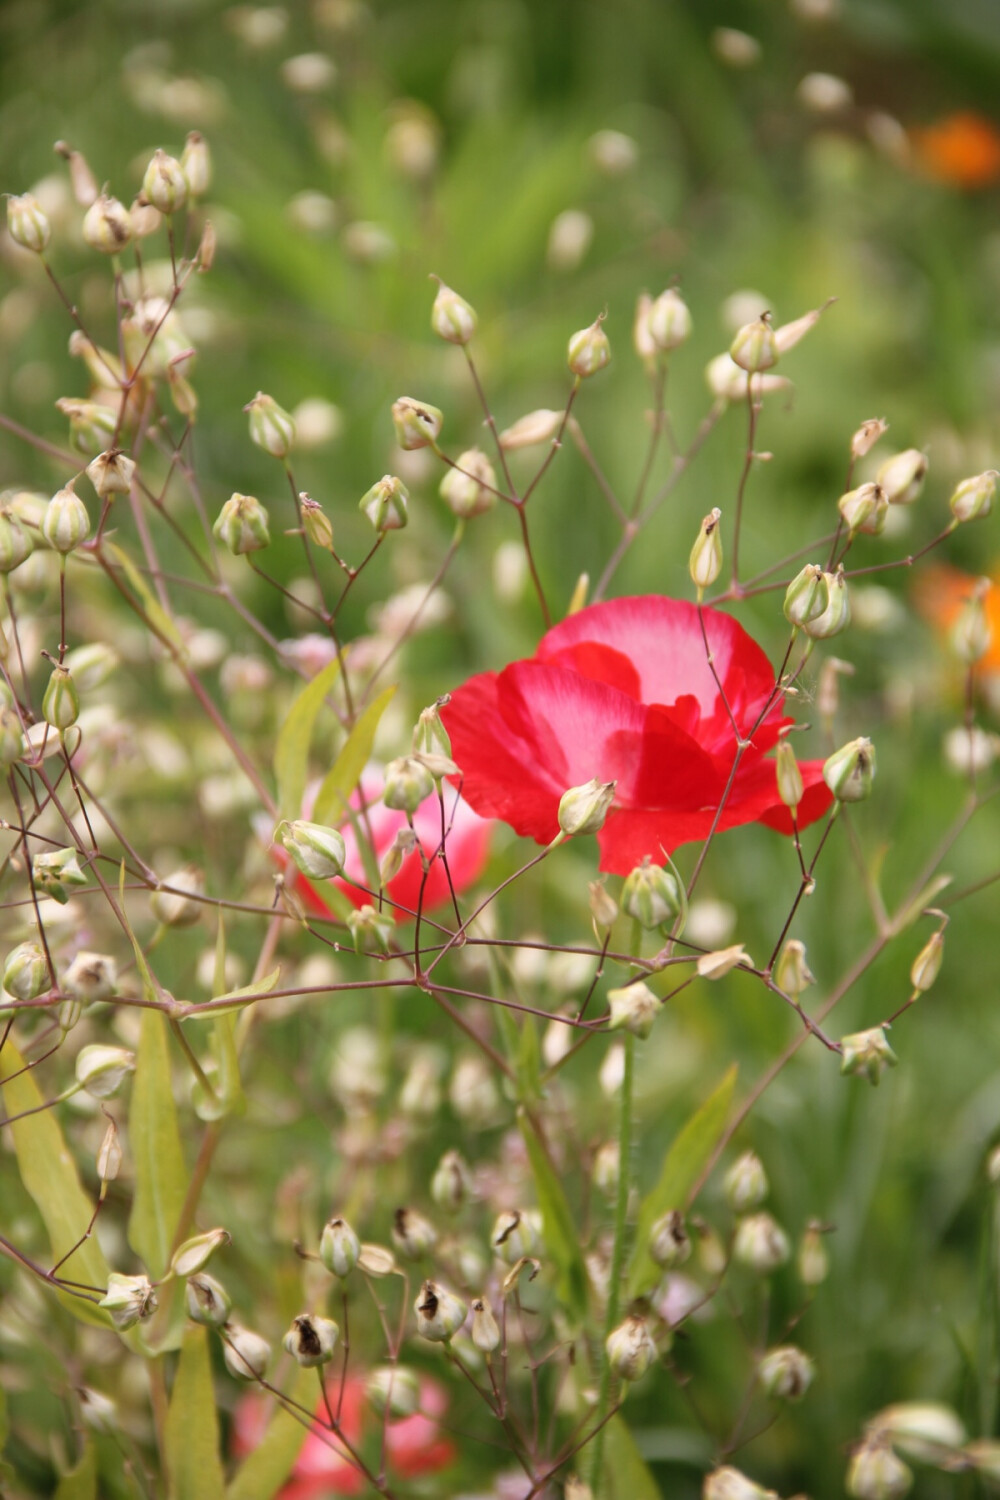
[[164, 184], [207, 1300], [196, 1252], [973, 498], [788, 775], [339, 1247], [513, 1237], [786, 1373], [633, 1008], [394, 1390], [65, 523], [630, 1349], [111, 473], [807, 596], [129, 1299], [90, 977], [470, 488], [867, 1054], [413, 1235], [669, 320], [588, 350], [317, 851], [26, 972], [583, 809], [407, 784], [242, 525], [452, 318], [246, 1354], [902, 476], [850, 771], [196, 164], [927, 964], [386, 504], [107, 225], [15, 543], [311, 1341], [417, 423], [754, 348], [485, 1329], [791, 973], [705, 562], [745, 1184], [761, 1244], [101, 1070], [27, 224], [669, 1241], [271, 426], [439, 1312], [61, 701]]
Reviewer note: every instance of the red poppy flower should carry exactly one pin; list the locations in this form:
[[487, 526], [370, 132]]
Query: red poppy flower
[[623, 691], [941, 594], [961, 148]]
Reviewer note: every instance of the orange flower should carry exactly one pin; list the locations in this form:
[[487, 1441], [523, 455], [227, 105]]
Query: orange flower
[[940, 595], [962, 148]]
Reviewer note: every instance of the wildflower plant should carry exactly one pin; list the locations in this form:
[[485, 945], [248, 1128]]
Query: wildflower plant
[[268, 924]]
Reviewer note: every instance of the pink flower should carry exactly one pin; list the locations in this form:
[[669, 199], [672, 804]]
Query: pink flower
[[623, 691]]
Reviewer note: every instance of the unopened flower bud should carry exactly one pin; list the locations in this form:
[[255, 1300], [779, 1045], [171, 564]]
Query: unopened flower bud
[[371, 930], [452, 318], [15, 542], [98, 1412], [386, 504], [145, 219], [391, 862], [754, 348], [91, 424], [164, 184], [807, 596], [583, 809], [727, 1483], [786, 1373], [867, 1054], [973, 498], [983, 1454], [877, 1473], [92, 665], [850, 771], [317, 851], [316, 523], [864, 509], [867, 436], [196, 164], [207, 1300], [589, 350], [928, 1431], [722, 961], [107, 225], [630, 1349], [393, 1390], [90, 977], [813, 1263], [439, 1312], [111, 473], [513, 1236], [971, 633], [101, 1070], [788, 775], [642, 336], [27, 224], [607, 1167], [669, 1241], [713, 1257], [902, 476], [485, 1328], [633, 1008], [176, 907], [470, 487], [242, 525], [728, 382], [412, 1234], [57, 870], [129, 1299], [537, 427], [705, 562], [652, 895], [13, 745], [339, 1247], [451, 1184], [26, 971], [927, 964], [246, 1354], [761, 1244], [109, 1155], [603, 906], [745, 1183], [196, 1252], [791, 973], [311, 1341], [417, 424], [837, 615], [205, 255], [65, 523], [407, 784], [61, 701], [271, 427], [669, 320]]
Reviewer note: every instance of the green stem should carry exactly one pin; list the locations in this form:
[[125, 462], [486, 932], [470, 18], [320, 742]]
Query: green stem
[[617, 1265]]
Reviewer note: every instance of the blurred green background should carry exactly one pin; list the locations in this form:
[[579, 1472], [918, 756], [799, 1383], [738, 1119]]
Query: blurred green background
[[447, 138]]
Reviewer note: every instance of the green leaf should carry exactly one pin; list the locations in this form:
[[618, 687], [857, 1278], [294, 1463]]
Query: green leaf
[[239, 998], [291, 753], [150, 989], [560, 1232], [264, 1472], [50, 1177], [80, 1483], [157, 616], [687, 1155], [192, 1431], [628, 1474], [160, 1176], [224, 1035], [341, 780], [529, 1061]]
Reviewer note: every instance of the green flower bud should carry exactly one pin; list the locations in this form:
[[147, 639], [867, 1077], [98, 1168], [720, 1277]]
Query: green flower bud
[[728, 382], [864, 509], [927, 964], [902, 476], [99, 1412], [791, 973], [196, 164], [469, 489], [65, 523], [207, 1300], [242, 525], [527, 432], [876, 1473], [173, 907], [196, 1252], [807, 596], [27, 224], [786, 1373], [164, 184], [513, 1236], [439, 1312], [485, 1328], [971, 634], [813, 1263], [393, 1390], [61, 701], [850, 771], [385, 504], [928, 1431], [669, 1241], [630, 1349], [271, 427], [754, 348], [652, 895], [417, 424], [26, 972], [412, 1234], [713, 1257], [745, 1183], [788, 775], [55, 870], [589, 350], [642, 337], [452, 318], [371, 930], [317, 851], [316, 523], [107, 225], [311, 1341], [633, 1008], [669, 321], [583, 809], [91, 977], [761, 1244], [727, 1483], [973, 498], [391, 862], [837, 615], [111, 473], [13, 744], [722, 961], [102, 1070], [867, 1054], [109, 1155], [15, 542], [90, 424], [430, 736], [245, 1353], [705, 562], [407, 783], [339, 1247], [603, 906], [451, 1185], [129, 1300], [92, 665]]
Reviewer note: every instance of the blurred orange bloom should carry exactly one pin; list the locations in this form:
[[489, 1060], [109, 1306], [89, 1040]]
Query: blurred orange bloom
[[940, 594], [962, 148]]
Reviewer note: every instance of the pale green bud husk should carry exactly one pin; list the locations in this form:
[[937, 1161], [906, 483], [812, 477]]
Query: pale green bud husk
[[669, 320], [413, 1235], [316, 523], [788, 775], [513, 1236], [902, 476], [761, 1244], [128, 1299], [107, 225], [864, 509], [242, 525], [927, 964], [92, 665], [13, 744], [27, 224], [196, 1252], [173, 907], [91, 424], [439, 1312], [538, 426], [311, 1341], [391, 862], [813, 1262], [15, 543], [452, 318], [485, 1328], [111, 473], [61, 701], [207, 1300], [417, 424], [469, 489], [745, 1183], [807, 596], [339, 1247], [164, 185], [393, 1389], [386, 504], [754, 348], [786, 1373], [407, 783], [588, 350], [633, 1008], [837, 615], [722, 961], [583, 809], [90, 977], [371, 929], [317, 851], [791, 973], [245, 1353], [877, 1473], [272, 428], [109, 1155], [65, 523], [973, 498], [728, 1483], [850, 771], [101, 1070], [451, 1185], [669, 1241], [705, 562], [867, 436], [55, 870], [652, 895], [630, 1349], [26, 971], [867, 1054], [196, 164]]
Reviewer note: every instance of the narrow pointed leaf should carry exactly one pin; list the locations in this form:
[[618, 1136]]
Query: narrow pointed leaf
[[81, 1482], [235, 999], [291, 754], [160, 1176], [341, 780], [559, 1230], [156, 615], [628, 1473], [192, 1433], [271, 1462]]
